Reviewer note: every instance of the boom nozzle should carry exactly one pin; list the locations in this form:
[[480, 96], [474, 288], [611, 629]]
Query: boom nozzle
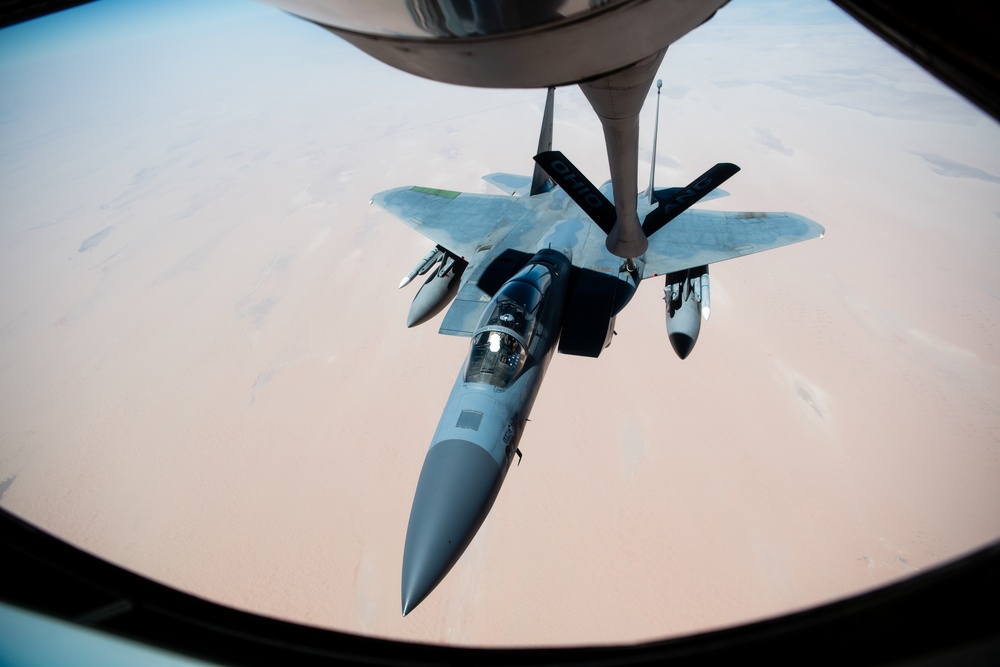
[[617, 99]]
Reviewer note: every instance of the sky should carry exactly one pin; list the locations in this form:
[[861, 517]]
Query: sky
[[205, 374]]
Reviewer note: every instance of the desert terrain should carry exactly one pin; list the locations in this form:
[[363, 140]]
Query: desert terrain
[[205, 375]]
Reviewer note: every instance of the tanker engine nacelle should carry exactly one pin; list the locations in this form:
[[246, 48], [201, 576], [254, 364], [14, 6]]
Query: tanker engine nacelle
[[439, 288], [686, 294]]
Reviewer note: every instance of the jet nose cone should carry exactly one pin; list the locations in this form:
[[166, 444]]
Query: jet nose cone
[[413, 319], [456, 489], [682, 344]]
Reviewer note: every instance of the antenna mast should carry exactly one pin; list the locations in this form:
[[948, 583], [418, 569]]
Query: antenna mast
[[652, 159]]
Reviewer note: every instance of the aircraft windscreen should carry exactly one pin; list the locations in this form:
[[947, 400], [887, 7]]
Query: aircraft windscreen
[[496, 358], [505, 327]]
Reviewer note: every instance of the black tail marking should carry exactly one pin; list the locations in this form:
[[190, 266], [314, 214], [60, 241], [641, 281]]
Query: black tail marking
[[581, 190], [674, 201]]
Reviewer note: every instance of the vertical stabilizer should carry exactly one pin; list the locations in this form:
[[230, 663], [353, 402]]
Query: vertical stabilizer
[[541, 181], [652, 157]]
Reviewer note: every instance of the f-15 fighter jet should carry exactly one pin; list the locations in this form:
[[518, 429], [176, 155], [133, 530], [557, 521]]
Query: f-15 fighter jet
[[525, 271]]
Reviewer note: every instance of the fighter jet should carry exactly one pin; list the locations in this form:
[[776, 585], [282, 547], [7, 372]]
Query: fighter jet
[[555, 258], [526, 271]]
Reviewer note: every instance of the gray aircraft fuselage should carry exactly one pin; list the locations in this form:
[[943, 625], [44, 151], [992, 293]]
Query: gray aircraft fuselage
[[482, 422]]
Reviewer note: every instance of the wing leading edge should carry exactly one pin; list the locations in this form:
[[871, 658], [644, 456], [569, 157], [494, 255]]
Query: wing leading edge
[[475, 228], [460, 222]]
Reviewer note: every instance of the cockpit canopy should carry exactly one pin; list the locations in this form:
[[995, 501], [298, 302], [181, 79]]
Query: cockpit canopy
[[496, 358], [500, 343]]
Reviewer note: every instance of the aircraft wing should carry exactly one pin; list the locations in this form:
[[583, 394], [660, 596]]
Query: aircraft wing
[[696, 238], [459, 222]]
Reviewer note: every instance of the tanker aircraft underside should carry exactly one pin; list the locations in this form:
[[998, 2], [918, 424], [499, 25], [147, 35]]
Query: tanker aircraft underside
[[526, 270]]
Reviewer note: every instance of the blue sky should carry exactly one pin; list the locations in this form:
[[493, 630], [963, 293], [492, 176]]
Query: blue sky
[[108, 22]]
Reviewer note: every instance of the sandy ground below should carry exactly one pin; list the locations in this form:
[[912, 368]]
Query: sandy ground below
[[205, 375]]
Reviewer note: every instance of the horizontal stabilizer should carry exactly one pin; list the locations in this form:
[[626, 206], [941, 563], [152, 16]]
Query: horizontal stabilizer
[[680, 199], [580, 190], [511, 184]]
